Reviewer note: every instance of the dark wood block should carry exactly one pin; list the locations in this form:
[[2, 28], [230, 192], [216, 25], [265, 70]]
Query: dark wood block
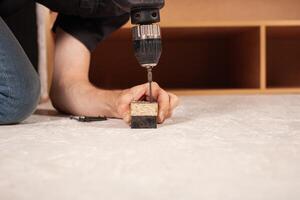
[[143, 122], [143, 115]]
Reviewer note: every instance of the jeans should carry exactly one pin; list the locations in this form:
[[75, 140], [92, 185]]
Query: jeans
[[19, 82]]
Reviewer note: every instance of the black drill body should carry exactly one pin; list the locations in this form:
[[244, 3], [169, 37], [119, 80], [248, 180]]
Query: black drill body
[[145, 14], [142, 11]]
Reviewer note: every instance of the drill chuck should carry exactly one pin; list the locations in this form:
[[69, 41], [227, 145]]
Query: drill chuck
[[142, 32], [146, 34], [147, 44]]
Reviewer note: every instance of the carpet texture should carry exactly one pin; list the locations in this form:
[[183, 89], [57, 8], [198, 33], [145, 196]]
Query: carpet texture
[[215, 147]]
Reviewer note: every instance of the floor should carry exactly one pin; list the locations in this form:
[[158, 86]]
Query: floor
[[215, 147]]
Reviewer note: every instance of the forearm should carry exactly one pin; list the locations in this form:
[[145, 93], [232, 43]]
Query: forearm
[[82, 98], [71, 91]]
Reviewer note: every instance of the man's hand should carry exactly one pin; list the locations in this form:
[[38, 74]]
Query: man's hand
[[167, 102], [72, 93]]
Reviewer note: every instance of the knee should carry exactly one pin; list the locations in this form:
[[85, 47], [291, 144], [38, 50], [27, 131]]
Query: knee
[[21, 100]]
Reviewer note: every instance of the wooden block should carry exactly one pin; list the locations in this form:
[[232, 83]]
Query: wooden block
[[143, 114]]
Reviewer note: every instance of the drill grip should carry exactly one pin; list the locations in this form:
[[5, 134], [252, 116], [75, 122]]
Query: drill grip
[[129, 5], [142, 11]]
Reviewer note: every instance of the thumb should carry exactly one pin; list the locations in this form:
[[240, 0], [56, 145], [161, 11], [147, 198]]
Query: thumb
[[139, 91], [127, 117]]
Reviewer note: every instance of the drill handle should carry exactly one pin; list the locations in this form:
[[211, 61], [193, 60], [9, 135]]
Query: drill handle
[[129, 5], [142, 11]]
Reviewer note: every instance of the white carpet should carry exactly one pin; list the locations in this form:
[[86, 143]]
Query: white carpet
[[215, 147]]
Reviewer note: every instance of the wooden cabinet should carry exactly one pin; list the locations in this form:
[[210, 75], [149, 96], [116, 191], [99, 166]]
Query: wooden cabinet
[[283, 57], [214, 47]]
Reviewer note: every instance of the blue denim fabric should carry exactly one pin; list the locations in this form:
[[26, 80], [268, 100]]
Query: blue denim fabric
[[19, 82]]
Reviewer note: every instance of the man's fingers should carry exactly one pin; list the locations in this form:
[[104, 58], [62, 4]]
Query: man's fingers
[[163, 99], [155, 90], [167, 102], [174, 102], [127, 96], [164, 106], [138, 92], [127, 117], [133, 94]]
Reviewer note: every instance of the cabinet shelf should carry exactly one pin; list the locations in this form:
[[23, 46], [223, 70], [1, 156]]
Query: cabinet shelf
[[208, 58], [213, 47], [202, 11], [283, 62]]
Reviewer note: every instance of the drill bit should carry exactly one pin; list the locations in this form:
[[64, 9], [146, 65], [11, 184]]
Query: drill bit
[[149, 69], [88, 119]]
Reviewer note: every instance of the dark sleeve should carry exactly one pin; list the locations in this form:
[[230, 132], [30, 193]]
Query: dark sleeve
[[8, 7], [90, 31]]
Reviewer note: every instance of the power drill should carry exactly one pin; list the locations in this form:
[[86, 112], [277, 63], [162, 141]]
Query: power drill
[[145, 14]]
